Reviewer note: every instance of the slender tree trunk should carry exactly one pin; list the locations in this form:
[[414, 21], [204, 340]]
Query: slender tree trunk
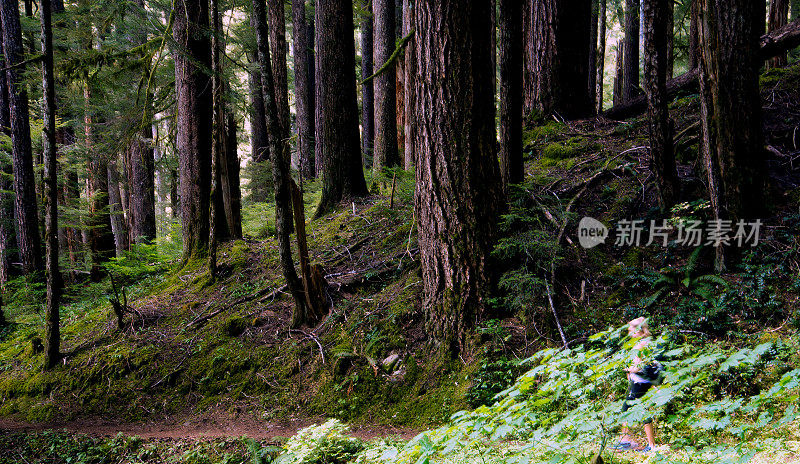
[[618, 74], [8, 234], [259, 140], [303, 92], [670, 39], [694, 35], [457, 176], [278, 48], [656, 31], [601, 57], [193, 125], [26, 213], [280, 169], [52, 274], [408, 82], [593, 33], [630, 74], [318, 135], [342, 174], [118, 226], [216, 214], [512, 167], [368, 89], [778, 17], [557, 59], [386, 154], [231, 186], [730, 107]]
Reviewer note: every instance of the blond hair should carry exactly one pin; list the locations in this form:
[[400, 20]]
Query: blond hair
[[640, 325]]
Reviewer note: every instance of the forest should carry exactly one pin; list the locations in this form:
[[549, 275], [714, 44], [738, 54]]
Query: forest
[[399, 231]]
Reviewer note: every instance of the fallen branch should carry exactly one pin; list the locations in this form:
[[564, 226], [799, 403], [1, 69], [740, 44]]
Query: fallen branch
[[314, 338]]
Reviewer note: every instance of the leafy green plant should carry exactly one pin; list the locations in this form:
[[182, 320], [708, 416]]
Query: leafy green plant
[[321, 444], [491, 378]]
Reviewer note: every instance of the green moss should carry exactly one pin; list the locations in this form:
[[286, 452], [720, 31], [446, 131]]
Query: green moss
[[548, 132]]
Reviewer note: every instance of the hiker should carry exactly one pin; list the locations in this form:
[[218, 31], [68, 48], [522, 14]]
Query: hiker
[[640, 383]]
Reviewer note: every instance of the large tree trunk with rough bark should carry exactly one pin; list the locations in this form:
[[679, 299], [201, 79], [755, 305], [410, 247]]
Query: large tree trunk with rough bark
[[193, 125], [694, 34], [342, 168], [730, 108], [656, 62], [303, 91], [368, 89], [278, 52], [512, 167], [778, 18], [52, 275], [385, 150], [457, 178], [557, 58], [630, 73], [230, 184], [28, 237]]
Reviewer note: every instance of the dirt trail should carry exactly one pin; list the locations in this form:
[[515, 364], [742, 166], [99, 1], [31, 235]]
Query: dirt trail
[[197, 428]]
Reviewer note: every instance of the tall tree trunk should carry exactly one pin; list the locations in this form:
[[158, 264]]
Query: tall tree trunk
[[386, 154], [216, 218], [278, 51], [778, 17], [557, 58], [618, 74], [601, 57], [231, 186], [593, 33], [342, 173], [656, 31], [368, 89], [670, 39], [52, 274], [8, 234], [730, 108], [303, 92], [318, 135], [100, 234], [118, 226], [694, 35], [193, 125], [457, 179], [408, 82], [512, 167], [630, 74], [280, 169], [26, 213], [259, 140]]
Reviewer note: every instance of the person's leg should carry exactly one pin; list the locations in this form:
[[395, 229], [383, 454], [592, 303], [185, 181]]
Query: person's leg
[[651, 435]]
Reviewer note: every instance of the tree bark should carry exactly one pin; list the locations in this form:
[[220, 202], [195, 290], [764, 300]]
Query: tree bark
[[342, 173], [216, 213], [318, 135], [193, 125], [457, 176], [28, 237], [408, 82], [368, 89], [557, 59], [778, 18], [619, 72], [670, 39], [52, 274], [278, 51], [656, 63], [8, 234], [730, 107], [512, 167], [259, 139], [117, 216], [230, 184], [303, 92], [593, 33], [630, 74], [601, 57], [694, 35], [386, 154]]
